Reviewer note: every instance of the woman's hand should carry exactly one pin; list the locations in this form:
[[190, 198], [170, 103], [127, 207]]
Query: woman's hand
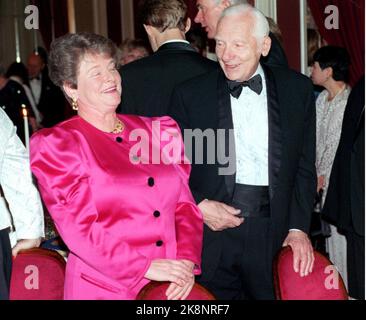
[[25, 244], [176, 292], [175, 271]]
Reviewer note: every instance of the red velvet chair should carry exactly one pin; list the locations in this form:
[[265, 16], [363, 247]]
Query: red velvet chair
[[156, 291], [324, 283], [38, 274]]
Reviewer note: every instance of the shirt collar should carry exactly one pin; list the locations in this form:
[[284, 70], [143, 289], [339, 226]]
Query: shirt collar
[[175, 40]]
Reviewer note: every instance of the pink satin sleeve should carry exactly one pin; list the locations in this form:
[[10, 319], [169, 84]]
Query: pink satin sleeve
[[57, 163], [188, 217]]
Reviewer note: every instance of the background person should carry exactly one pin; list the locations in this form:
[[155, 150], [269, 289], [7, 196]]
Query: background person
[[20, 204], [330, 70], [345, 202], [132, 50], [147, 84]]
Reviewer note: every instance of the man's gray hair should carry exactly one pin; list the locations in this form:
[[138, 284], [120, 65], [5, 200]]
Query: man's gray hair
[[261, 27]]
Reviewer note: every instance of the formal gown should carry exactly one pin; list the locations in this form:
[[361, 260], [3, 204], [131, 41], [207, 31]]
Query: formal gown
[[117, 215], [329, 116]]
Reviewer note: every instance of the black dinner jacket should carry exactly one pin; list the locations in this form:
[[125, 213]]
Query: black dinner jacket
[[277, 56], [52, 103], [204, 103], [147, 84], [345, 202]]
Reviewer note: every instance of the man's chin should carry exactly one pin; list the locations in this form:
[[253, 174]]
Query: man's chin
[[231, 76]]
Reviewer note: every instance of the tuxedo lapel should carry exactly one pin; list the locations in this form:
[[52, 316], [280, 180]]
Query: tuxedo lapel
[[274, 131], [225, 121]]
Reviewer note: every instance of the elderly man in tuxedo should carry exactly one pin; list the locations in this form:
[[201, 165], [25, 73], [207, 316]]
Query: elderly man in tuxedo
[[208, 15], [266, 203]]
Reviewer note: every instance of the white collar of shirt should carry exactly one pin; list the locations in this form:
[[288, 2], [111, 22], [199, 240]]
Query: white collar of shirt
[[250, 120], [175, 40], [36, 87]]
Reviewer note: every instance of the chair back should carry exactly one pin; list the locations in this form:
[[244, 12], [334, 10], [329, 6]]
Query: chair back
[[324, 283], [156, 291], [37, 274]]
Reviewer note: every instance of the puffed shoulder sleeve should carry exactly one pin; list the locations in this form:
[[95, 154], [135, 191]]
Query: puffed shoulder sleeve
[[188, 217], [58, 164]]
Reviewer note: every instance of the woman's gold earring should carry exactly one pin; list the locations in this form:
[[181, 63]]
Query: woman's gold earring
[[74, 104]]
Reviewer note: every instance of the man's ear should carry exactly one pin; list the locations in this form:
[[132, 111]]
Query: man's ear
[[266, 46], [148, 29], [329, 72], [71, 92], [188, 25]]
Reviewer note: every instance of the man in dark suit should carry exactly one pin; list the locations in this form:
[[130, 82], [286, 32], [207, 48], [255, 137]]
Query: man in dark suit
[[208, 15], [345, 202], [147, 84], [260, 196], [49, 99]]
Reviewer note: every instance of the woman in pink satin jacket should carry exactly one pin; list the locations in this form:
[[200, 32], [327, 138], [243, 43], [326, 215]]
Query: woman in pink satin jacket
[[125, 212]]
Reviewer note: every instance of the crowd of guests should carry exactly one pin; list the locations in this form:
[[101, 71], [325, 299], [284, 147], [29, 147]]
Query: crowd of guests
[[127, 220]]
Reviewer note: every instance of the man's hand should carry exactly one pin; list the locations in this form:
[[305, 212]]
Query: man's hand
[[218, 216], [25, 244], [302, 250]]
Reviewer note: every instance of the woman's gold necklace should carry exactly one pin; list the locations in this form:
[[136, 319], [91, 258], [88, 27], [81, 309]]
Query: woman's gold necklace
[[119, 127]]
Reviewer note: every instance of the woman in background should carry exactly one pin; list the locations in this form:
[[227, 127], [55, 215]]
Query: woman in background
[[330, 70]]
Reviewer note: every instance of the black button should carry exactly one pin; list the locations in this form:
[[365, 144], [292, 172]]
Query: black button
[[119, 139], [150, 182], [159, 243], [156, 214]]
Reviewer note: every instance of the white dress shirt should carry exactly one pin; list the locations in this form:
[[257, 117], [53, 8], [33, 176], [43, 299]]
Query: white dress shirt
[[16, 181], [36, 87], [250, 120]]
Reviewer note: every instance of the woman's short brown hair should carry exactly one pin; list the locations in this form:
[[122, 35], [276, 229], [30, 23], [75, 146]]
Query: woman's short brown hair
[[67, 52], [164, 14]]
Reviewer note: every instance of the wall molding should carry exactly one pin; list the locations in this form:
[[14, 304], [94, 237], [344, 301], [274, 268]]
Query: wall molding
[[268, 7], [100, 17], [127, 18]]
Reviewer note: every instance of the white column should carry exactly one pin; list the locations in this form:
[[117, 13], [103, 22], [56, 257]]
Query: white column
[[100, 17], [127, 18], [71, 16], [16, 32], [303, 37], [268, 7]]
